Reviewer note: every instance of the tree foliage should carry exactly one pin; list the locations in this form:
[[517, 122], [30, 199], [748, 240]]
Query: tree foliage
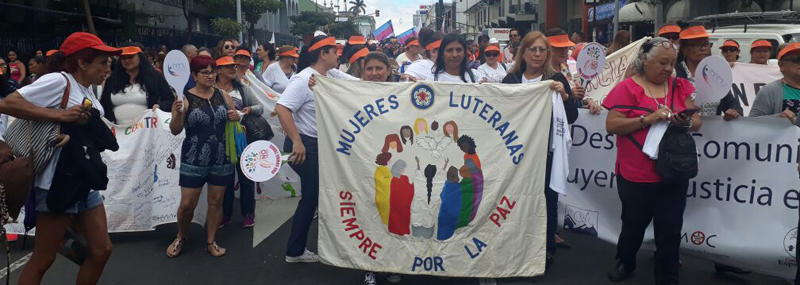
[[359, 7], [343, 29], [226, 27], [309, 21]]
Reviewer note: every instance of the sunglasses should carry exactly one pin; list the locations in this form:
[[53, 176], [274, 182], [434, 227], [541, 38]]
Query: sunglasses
[[492, 54], [229, 47], [732, 49]]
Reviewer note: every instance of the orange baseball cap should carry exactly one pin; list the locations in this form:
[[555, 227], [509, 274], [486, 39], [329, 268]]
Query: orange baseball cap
[[491, 48], [225, 60], [242, 52], [695, 32], [793, 47], [667, 29], [130, 50], [359, 54], [433, 45], [761, 43], [79, 41], [357, 40], [560, 41], [51, 52], [730, 43]]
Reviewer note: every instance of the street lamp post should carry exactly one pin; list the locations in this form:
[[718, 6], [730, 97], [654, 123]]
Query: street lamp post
[[239, 17]]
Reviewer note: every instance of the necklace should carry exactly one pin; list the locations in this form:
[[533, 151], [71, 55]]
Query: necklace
[[658, 105]]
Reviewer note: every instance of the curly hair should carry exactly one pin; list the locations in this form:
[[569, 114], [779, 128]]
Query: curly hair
[[469, 141]]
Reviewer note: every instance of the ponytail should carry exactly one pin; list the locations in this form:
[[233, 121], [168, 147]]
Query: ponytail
[[430, 172]]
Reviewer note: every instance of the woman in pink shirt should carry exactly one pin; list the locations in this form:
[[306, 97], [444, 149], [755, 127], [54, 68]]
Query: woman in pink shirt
[[644, 194]]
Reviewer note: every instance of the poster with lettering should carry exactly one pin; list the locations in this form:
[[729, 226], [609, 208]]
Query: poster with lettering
[[433, 178], [748, 78], [617, 64], [741, 208]]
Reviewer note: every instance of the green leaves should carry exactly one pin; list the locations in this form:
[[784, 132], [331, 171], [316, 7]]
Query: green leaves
[[309, 21], [226, 27]]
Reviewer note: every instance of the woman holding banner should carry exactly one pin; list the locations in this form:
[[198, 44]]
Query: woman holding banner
[[246, 104], [644, 194], [82, 60], [451, 62], [202, 113], [782, 97], [134, 87], [296, 113], [534, 64], [695, 47], [559, 47]]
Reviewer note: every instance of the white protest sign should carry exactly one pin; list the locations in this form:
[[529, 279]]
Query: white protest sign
[[614, 71], [591, 61], [261, 161], [713, 78], [748, 78], [176, 71]]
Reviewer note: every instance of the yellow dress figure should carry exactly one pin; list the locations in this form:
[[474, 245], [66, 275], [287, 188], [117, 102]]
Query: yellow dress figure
[[383, 180]]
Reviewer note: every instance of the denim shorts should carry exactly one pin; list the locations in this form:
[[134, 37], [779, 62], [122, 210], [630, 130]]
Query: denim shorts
[[196, 176], [92, 200]]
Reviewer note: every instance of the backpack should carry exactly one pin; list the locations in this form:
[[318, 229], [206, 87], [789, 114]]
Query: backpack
[[677, 151]]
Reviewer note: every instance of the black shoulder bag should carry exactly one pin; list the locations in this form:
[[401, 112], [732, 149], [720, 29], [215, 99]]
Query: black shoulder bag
[[677, 151], [256, 127]]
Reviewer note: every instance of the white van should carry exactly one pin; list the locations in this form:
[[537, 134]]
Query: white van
[[745, 28]]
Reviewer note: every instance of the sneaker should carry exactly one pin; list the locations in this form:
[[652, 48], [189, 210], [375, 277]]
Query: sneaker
[[393, 278], [369, 278], [249, 221], [308, 257], [225, 221]]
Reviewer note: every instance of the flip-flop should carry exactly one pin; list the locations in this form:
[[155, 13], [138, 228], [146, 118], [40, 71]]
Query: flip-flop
[[175, 248]]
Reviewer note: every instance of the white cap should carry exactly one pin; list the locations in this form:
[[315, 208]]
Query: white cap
[[319, 33], [493, 41]]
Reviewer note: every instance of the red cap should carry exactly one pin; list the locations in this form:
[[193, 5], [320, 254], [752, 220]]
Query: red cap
[[695, 32], [761, 43], [79, 41], [668, 29], [793, 47], [729, 43], [560, 41]]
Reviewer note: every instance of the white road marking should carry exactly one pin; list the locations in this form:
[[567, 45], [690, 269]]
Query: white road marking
[[271, 215], [16, 265]]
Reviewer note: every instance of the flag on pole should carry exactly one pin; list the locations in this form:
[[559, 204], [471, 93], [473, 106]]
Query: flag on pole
[[272, 41], [407, 34], [384, 31]]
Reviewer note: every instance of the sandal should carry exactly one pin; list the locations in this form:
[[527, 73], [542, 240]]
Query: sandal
[[175, 248], [215, 250]]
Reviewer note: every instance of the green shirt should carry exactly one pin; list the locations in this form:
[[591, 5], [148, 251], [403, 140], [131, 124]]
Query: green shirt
[[791, 98]]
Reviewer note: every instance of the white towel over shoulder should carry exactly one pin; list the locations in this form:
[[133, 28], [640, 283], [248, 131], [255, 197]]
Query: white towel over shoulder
[[560, 144]]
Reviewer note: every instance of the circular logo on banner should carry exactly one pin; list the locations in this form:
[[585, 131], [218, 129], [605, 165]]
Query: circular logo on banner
[[260, 161], [790, 242], [698, 238], [422, 97], [713, 78], [591, 61]]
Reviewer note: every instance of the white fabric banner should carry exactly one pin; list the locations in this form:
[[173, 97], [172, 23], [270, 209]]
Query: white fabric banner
[[617, 64], [748, 78], [741, 208], [143, 190], [433, 178]]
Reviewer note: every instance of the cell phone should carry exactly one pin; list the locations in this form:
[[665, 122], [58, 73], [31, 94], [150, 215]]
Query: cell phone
[[687, 113]]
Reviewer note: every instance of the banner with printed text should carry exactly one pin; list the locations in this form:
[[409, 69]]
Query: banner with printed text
[[143, 190], [433, 178], [741, 208], [617, 64]]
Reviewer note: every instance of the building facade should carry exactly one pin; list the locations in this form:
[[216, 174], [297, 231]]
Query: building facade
[[523, 15]]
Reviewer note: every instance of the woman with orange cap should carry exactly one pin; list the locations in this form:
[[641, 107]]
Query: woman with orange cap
[[760, 51], [672, 32], [355, 59], [782, 97], [134, 87], [246, 103], [730, 51], [694, 47], [81, 62], [278, 74], [493, 70], [411, 54], [423, 69]]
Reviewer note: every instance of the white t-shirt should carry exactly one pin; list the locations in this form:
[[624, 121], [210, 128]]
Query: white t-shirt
[[421, 69], [338, 74], [492, 75], [526, 80], [446, 77], [47, 92], [300, 100], [403, 58], [275, 78], [129, 104]]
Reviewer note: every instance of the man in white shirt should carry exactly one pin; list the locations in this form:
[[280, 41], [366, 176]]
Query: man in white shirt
[[508, 56]]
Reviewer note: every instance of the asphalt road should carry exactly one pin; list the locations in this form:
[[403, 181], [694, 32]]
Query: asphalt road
[[139, 258]]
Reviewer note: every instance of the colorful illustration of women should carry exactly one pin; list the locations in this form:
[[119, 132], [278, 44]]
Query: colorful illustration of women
[[451, 205], [383, 181], [401, 195]]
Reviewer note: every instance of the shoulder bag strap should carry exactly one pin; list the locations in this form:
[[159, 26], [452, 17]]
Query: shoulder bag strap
[[65, 97], [629, 137]]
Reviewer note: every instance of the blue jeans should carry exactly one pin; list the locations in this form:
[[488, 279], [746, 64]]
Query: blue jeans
[[309, 183], [247, 198]]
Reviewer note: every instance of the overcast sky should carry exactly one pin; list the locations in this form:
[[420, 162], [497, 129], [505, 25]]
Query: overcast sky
[[399, 11]]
